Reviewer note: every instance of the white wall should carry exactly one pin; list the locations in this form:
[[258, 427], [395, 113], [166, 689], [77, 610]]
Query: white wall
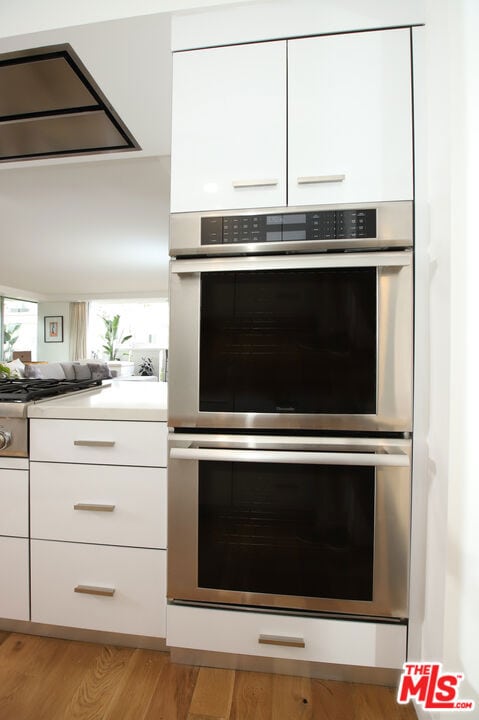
[[32, 16], [461, 626], [53, 351], [283, 18], [445, 626], [82, 230]]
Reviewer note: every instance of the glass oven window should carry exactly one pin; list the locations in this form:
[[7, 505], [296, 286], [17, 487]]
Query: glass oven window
[[298, 341], [302, 530]]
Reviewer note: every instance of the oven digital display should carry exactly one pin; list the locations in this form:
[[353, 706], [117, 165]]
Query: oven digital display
[[294, 219], [289, 227]]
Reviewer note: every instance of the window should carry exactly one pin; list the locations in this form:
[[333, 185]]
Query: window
[[145, 321], [19, 320]]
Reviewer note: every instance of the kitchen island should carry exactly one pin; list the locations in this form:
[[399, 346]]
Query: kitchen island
[[97, 497], [114, 400]]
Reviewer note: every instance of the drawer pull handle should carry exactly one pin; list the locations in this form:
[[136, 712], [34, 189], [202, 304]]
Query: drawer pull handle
[[93, 590], [94, 443], [312, 179], [282, 640], [254, 183], [94, 507]]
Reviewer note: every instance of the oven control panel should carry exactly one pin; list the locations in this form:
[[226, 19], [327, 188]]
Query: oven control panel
[[289, 227]]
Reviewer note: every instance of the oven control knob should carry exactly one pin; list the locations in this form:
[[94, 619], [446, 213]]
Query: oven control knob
[[5, 439]]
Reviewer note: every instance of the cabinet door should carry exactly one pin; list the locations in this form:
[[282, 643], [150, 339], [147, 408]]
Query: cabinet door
[[14, 578], [349, 118], [14, 502], [229, 128]]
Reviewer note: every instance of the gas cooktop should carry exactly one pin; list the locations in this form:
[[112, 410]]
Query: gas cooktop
[[21, 390]]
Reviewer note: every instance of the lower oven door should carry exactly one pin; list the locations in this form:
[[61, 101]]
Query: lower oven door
[[318, 524]]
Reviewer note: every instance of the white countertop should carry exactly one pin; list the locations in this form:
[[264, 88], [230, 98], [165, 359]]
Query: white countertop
[[113, 401]]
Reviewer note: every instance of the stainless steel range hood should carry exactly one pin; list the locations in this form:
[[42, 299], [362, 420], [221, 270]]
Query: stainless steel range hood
[[50, 106]]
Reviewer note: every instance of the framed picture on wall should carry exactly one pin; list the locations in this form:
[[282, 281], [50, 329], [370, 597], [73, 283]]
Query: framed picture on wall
[[54, 328]]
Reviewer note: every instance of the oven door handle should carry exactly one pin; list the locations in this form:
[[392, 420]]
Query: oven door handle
[[398, 459], [392, 259]]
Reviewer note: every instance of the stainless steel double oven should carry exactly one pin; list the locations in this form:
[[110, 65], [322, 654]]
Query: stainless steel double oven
[[290, 404]]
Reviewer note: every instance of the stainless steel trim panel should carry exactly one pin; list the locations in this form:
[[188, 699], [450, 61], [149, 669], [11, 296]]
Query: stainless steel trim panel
[[281, 666], [17, 427], [394, 229], [392, 523]]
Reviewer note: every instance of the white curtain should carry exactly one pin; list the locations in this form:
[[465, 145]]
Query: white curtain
[[78, 328]]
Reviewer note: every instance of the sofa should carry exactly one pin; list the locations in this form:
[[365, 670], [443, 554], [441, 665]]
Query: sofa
[[61, 370]]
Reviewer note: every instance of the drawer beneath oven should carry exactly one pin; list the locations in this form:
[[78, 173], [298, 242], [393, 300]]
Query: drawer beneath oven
[[102, 442], [98, 504], [343, 642], [14, 582], [99, 587], [14, 502]]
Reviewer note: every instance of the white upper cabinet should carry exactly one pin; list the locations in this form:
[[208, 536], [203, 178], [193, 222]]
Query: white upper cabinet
[[350, 118], [336, 118], [229, 128]]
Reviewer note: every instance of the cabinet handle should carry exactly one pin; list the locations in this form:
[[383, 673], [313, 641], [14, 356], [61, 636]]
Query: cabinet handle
[[253, 183], [93, 506], [303, 457], [311, 179], [94, 443], [282, 640], [93, 590]]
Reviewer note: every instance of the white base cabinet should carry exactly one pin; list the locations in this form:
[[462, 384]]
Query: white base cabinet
[[98, 525], [14, 545], [106, 504], [343, 642], [103, 442], [115, 589], [14, 502], [14, 583]]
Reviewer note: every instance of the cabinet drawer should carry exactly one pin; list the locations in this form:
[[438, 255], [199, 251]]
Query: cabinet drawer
[[14, 584], [332, 641], [105, 442], [98, 504], [136, 577], [14, 502]]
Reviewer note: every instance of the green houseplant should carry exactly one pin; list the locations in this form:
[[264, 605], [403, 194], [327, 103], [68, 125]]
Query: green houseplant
[[113, 338], [10, 337], [5, 371]]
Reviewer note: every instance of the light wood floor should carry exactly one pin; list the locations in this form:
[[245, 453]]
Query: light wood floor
[[49, 679]]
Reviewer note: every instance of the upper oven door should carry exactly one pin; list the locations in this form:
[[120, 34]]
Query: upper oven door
[[318, 342]]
